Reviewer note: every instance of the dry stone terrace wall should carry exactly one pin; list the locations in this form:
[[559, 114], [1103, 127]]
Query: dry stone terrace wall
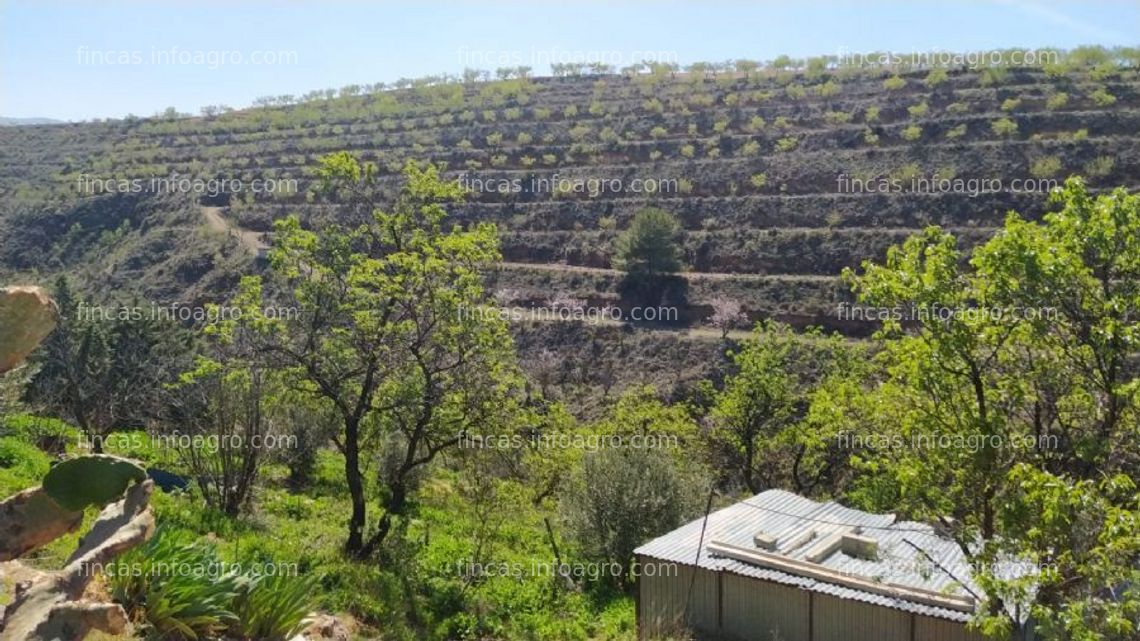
[[708, 139]]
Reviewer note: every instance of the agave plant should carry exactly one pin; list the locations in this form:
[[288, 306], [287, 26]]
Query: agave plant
[[273, 607], [173, 589]]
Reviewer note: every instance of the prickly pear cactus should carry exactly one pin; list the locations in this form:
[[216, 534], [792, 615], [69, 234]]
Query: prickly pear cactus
[[91, 480], [27, 316], [51, 607]]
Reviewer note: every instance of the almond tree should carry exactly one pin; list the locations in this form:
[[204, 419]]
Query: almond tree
[[1016, 404], [385, 337]]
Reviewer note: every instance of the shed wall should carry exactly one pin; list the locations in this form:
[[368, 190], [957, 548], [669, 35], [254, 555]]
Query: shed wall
[[835, 619], [755, 609], [932, 629], [663, 589]]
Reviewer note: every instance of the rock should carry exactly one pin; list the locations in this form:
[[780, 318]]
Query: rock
[[27, 316], [324, 627]]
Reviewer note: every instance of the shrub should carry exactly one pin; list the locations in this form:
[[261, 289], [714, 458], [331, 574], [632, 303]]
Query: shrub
[[756, 123], [1004, 127], [956, 132], [22, 465], [894, 83], [1009, 104], [912, 133], [273, 607], [992, 76], [837, 117], [957, 108], [524, 138], [759, 180], [782, 122], [570, 111], [658, 132], [827, 89], [788, 143], [936, 77], [1102, 98], [871, 114], [1057, 100], [919, 110], [750, 148], [171, 603], [1100, 166], [687, 151], [720, 126], [1045, 167], [796, 92], [616, 483], [870, 137]]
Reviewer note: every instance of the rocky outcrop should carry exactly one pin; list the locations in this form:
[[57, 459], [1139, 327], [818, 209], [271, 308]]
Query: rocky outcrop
[[50, 605]]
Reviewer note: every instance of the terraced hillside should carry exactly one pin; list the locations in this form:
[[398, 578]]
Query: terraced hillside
[[781, 178]]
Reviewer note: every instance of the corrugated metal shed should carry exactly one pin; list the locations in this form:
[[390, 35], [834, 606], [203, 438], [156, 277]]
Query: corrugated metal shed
[[792, 518]]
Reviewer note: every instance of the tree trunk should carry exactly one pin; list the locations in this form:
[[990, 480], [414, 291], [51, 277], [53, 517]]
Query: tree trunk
[[355, 543]]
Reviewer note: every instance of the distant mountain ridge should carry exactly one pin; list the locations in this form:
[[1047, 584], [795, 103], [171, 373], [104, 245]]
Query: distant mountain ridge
[[18, 122]]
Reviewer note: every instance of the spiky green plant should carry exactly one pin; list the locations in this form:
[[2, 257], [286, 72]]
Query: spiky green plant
[[175, 589], [273, 607]]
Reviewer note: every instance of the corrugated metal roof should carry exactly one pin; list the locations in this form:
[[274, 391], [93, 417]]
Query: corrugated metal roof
[[788, 516]]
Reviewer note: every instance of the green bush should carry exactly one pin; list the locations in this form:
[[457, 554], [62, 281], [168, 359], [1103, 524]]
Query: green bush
[[35, 429], [894, 83], [615, 483], [1102, 98], [1004, 127], [1045, 167], [936, 77], [1100, 166], [175, 588], [22, 465], [956, 132], [273, 607]]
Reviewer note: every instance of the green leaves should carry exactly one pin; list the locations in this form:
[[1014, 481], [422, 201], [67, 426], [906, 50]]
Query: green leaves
[[650, 246], [91, 480], [1016, 413]]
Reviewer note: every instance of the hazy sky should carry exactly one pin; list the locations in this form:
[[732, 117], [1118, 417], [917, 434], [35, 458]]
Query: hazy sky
[[102, 58]]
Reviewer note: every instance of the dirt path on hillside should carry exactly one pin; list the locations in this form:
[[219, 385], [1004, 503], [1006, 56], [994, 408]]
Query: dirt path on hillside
[[555, 267], [250, 239]]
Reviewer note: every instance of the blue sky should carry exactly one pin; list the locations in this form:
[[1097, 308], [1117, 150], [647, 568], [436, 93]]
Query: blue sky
[[54, 55]]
